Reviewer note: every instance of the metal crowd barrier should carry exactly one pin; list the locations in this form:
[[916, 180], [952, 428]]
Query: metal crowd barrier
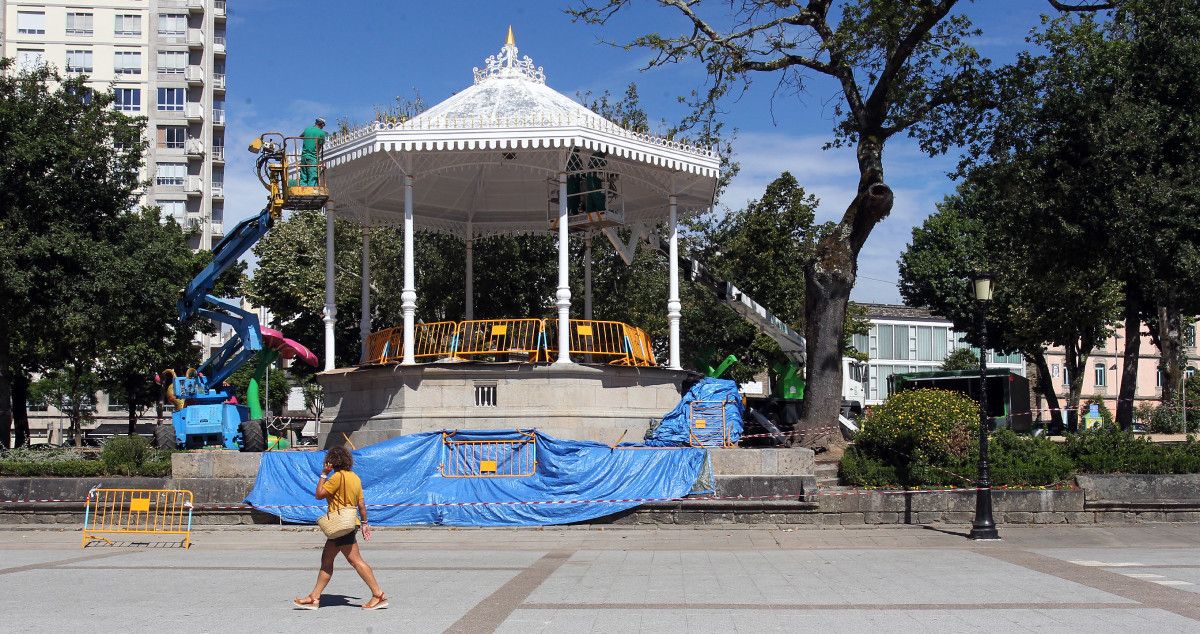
[[514, 340], [137, 512], [489, 458], [706, 424]]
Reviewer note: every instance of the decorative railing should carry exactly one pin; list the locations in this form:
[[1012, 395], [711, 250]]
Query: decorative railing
[[513, 340]]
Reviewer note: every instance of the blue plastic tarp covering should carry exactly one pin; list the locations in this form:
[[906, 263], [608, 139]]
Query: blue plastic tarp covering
[[675, 429], [403, 482]]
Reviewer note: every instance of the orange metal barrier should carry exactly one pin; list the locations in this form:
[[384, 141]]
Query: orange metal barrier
[[535, 340], [489, 458], [137, 511], [500, 337], [706, 424]]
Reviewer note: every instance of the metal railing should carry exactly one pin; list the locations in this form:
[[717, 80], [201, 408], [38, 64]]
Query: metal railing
[[706, 424], [533, 340], [489, 458], [137, 511]]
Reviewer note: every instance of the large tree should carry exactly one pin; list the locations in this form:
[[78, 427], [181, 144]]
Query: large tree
[[69, 165], [900, 66]]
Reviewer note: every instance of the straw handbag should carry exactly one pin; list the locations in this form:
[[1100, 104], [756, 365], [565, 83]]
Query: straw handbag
[[338, 523]]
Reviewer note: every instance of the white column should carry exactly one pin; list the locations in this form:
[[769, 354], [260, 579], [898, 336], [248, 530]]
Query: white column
[[408, 297], [364, 323], [469, 285], [674, 306], [330, 307], [587, 276], [563, 295]]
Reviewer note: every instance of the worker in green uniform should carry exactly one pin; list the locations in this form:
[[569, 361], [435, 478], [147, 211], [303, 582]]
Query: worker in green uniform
[[310, 156]]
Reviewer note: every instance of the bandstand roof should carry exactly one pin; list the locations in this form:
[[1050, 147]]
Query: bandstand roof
[[486, 160]]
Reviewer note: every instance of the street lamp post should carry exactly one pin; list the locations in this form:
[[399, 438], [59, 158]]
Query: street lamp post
[[984, 527]]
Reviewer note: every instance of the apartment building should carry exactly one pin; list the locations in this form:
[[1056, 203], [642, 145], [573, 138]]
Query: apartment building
[[908, 339], [1106, 364], [165, 60]]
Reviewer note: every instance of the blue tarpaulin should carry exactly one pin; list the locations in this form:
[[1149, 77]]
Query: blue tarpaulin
[[405, 477], [675, 428]]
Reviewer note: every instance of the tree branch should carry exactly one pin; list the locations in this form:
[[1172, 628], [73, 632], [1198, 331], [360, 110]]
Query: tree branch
[[897, 59], [1086, 6]]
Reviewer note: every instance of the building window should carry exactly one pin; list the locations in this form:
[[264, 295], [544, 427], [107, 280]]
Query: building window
[[885, 341], [176, 209], [127, 63], [173, 25], [1189, 336], [924, 343], [1066, 379], [1158, 377], [29, 59], [171, 99], [128, 99], [128, 25], [218, 112], [172, 137], [170, 174], [172, 62], [79, 23], [79, 61], [31, 22], [900, 339], [115, 404], [940, 341], [1101, 375]]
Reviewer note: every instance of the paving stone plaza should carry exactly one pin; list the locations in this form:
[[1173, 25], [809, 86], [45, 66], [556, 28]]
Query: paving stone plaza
[[617, 579]]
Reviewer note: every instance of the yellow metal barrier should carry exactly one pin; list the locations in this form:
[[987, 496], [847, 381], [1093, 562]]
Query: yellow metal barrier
[[489, 458], [535, 340], [706, 424], [139, 512], [499, 338]]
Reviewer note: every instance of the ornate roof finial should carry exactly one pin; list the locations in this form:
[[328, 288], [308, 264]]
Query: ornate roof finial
[[506, 65]]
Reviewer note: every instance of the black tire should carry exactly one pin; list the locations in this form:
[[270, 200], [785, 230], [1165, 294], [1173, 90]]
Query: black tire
[[254, 437], [164, 437]]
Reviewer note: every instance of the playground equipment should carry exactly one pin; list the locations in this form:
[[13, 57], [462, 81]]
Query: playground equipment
[[783, 405], [205, 410]]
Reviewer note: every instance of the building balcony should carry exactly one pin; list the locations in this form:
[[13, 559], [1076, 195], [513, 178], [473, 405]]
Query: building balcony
[[195, 38], [218, 190], [194, 112], [195, 6], [194, 186], [219, 117], [216, 229], [219, 11], [194, 148], [218, 82], [219, 45], [218, 154], [194, 75]]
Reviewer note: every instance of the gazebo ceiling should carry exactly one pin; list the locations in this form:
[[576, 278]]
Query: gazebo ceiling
[[486, 160]]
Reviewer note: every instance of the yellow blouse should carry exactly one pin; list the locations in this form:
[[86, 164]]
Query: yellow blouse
[[344, 489]]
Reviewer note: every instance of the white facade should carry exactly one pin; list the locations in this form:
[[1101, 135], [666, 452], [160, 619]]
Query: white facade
[[166, 61], [904, 339]]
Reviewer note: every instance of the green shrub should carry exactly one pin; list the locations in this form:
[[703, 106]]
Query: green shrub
[[1016, 460], [1115, 451], [1166, 419], [859, 469], [74, 468], [121, 453], [916, 428]]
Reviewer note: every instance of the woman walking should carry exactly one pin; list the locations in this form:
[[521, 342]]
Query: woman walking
[[343, 489]]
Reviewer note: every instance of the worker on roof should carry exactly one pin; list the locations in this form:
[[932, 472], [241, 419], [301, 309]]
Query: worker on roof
[[310, 155]]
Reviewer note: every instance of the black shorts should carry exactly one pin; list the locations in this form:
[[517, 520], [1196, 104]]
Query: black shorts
[[347, 539]]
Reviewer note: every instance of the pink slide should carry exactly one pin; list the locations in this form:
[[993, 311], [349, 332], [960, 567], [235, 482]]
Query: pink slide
[[287, 348]]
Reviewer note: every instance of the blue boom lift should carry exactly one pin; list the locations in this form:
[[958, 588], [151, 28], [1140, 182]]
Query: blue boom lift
[[205, 413]]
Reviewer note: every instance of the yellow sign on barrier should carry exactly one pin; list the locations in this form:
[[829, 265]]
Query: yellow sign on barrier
[[137, 511]]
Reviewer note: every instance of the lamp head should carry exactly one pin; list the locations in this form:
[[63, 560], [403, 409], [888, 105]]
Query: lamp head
[[982, 286]]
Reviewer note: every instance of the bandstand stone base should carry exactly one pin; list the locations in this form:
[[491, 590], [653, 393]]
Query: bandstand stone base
[[577, 401]]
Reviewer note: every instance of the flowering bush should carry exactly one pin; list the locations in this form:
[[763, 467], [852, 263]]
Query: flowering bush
[[920, 427]]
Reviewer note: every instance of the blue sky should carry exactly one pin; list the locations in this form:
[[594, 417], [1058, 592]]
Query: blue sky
[[292, 60]]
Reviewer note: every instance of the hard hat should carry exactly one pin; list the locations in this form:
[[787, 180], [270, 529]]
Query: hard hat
[[320, 121]]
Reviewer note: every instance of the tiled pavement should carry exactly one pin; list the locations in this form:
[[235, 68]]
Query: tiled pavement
[[727, 579]]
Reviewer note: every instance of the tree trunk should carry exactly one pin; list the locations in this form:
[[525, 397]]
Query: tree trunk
[[828, 278], [20, 409], [1074, 364], [1133, 346], [1170, 344], [5, 387], [1045, 387]]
